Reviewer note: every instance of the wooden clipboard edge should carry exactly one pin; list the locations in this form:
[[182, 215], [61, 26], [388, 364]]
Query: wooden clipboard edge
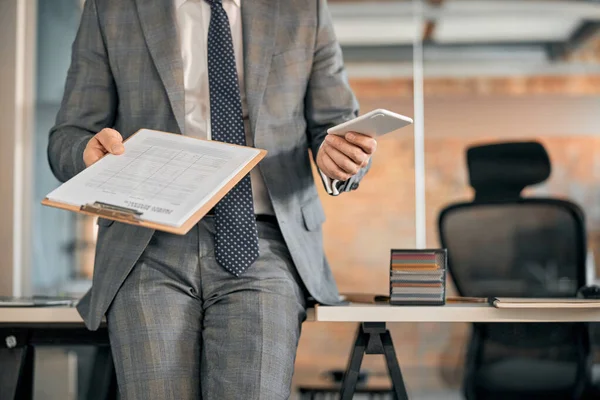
[[195, 218]]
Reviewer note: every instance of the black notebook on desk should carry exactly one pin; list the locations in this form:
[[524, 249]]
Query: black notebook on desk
[[37, 301]]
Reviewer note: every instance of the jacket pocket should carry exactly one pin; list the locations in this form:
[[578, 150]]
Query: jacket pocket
[[313, 214]]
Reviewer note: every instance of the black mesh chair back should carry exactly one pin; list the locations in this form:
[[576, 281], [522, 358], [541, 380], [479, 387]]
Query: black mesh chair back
[[522, 248], [502, 244]]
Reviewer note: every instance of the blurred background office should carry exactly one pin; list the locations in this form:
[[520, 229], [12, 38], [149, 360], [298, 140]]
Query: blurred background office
[[469, 72]]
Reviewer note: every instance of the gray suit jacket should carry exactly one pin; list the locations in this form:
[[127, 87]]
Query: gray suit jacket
[[126, 73]]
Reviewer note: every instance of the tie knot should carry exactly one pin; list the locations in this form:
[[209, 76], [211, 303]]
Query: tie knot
[[214, 2]]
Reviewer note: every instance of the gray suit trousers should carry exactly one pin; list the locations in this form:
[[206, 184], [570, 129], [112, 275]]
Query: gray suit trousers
[[181, 327]]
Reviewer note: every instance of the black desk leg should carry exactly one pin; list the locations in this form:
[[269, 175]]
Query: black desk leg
[[103, 382], [393, 366], [352, 371], [373, 338], [16, 369]]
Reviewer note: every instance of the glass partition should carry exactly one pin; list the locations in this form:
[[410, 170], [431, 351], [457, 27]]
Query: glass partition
[[61, 241], [362, 226], [503, 71]]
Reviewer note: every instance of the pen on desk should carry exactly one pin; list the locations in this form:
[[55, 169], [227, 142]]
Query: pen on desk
[[459, 299]]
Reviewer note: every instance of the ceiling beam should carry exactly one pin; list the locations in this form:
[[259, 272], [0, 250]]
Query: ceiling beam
[[532, 51], [581, 37]]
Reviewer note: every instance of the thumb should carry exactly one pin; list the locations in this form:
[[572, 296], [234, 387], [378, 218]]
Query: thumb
[[111, 140]]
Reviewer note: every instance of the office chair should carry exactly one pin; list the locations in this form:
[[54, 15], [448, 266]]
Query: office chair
[[502, 244]]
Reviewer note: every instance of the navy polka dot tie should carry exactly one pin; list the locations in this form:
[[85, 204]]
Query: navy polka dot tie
[[236, 238]]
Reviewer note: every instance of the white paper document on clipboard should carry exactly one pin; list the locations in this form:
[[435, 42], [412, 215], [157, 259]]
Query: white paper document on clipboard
[[162, 181]]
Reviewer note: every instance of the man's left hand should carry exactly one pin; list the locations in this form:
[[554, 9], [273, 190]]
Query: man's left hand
[[341, 157]]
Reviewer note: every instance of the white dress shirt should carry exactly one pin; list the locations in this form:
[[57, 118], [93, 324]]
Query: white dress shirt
[[193, 19]]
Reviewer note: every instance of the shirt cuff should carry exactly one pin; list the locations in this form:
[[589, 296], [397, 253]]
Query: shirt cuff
[[332, 186]]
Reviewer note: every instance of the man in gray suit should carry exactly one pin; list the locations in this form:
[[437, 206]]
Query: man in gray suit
[[186, 319]]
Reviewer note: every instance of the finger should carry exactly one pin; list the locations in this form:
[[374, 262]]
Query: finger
[[345, 163], [111, 140], [350, 150], [94, 144], [93, 152], [331, 169], [365, 163], [366, 143], [93, 156]]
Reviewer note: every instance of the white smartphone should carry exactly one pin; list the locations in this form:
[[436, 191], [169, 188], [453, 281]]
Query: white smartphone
[[374, 123]]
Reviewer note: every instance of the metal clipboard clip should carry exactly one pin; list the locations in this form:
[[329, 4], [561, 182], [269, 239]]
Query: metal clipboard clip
[[112, 212]]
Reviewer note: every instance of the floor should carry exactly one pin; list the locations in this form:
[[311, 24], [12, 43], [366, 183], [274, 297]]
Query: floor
[[57, 374], [439, 395]]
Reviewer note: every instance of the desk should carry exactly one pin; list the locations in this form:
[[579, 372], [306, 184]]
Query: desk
[[27, 316], [56, 316], [465, 312], [33, 326], [24, 328], [374, 338]]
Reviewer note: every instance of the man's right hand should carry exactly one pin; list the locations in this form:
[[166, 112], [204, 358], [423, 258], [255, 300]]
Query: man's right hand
[[106, 141]]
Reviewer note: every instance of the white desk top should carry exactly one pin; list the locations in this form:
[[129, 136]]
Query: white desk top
[[466, 312], [354, 313], [56, 315], [40, 315]]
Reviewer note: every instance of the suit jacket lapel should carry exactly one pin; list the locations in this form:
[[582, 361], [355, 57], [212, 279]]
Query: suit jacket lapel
[[157, 18], [259, 22]]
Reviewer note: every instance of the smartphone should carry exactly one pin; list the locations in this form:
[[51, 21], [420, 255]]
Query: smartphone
[[374, 123]]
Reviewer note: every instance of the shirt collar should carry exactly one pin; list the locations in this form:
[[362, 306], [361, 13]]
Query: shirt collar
[[178, 3]]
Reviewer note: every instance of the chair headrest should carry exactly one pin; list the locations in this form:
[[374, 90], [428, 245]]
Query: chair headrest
[[500, 171]]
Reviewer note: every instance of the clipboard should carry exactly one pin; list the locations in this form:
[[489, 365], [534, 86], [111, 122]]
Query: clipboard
[[134, 217]]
